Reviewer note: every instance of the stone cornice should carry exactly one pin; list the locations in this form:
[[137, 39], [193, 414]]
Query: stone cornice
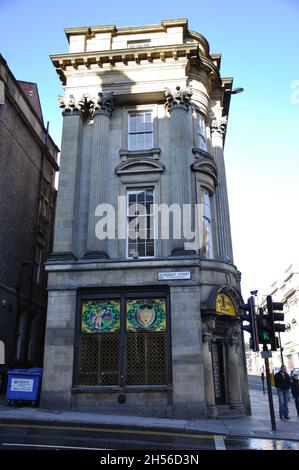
[[189, 51], [149, 28], [201, 39], [89, 31]]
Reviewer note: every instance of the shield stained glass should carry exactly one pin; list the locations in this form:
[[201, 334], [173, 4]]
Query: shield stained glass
[[146, 314], [100, 316]]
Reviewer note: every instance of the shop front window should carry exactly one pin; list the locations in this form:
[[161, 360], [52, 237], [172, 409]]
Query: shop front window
[[123, 342]]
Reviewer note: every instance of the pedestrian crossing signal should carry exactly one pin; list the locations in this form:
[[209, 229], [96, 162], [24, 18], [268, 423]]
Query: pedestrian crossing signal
[[264, 327]]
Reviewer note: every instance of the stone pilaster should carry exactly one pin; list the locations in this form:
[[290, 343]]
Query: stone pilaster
[[187, 366], [97, 248], [207, 331], [233, 373], [59, 350], [178, 105], [218, 129], [65, 219]]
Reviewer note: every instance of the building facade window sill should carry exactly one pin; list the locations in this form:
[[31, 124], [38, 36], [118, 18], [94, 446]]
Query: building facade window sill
[[153, 153]]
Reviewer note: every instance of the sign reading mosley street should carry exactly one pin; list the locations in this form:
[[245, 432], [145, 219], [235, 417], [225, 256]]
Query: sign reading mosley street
[[172, 276]]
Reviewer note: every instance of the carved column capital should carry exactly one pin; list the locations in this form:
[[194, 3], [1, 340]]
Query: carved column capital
[[69, 104], [218, 124], [233, 333], [103, 104], [87, 106], [178, 99], [208, 327]]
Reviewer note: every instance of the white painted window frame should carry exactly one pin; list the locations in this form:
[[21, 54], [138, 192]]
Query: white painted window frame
[[133, 191]]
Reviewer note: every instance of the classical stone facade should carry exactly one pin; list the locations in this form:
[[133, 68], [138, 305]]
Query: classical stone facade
[[144, 325], [28, 162]]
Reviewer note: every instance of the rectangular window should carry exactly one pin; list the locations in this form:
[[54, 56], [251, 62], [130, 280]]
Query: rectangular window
[[201, 133], [135, 328], [140, 223], [207, 241], [140, 130]]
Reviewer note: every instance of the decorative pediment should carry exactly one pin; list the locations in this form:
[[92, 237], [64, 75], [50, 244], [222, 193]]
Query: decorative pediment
[[139, 165], [205, 163]]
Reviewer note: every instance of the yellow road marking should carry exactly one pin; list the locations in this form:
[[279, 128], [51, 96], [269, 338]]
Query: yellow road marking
[[127, 431]]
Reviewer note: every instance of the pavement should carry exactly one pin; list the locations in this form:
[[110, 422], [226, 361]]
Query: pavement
[[256, 426]]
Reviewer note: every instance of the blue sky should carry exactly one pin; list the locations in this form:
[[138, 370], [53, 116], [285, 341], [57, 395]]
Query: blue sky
[[259, 42]]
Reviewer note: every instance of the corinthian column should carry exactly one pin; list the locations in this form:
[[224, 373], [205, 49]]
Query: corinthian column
[[178, 104], [97, 248], [65, 218], [218, 129], [208, 328]]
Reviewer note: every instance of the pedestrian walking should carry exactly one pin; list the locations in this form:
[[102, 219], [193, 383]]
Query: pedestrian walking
[[282, 382], [295, 390]]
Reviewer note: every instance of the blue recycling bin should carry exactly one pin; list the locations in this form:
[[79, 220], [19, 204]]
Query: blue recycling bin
[[24, 384]]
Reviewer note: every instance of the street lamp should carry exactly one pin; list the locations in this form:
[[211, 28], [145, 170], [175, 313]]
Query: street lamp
[[235, 91]]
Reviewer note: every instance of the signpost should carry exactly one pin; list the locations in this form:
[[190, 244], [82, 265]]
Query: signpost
[[174, 275], [266, 354]]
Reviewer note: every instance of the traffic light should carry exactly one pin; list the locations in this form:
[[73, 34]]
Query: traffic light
[[250, 317], [274, 317], [264, 328]]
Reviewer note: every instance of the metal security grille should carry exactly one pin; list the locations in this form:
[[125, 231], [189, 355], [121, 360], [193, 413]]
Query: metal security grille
[[98, 359], [146, 358]]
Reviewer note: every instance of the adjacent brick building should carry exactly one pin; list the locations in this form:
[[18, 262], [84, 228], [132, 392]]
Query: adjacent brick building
[[28, 162]]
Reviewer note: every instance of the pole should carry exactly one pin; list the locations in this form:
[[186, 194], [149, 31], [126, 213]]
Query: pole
[[269, 388], [281, 349], [263, 382]]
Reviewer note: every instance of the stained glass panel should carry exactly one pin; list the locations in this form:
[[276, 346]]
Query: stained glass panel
[[100, 316], [146, 314]]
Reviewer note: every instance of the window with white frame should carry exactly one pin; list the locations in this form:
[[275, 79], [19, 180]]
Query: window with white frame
[[207, 240], [140, 130], [201, 132], [140, 223]]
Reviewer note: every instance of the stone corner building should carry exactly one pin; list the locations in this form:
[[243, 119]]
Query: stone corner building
[[144, 325]]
